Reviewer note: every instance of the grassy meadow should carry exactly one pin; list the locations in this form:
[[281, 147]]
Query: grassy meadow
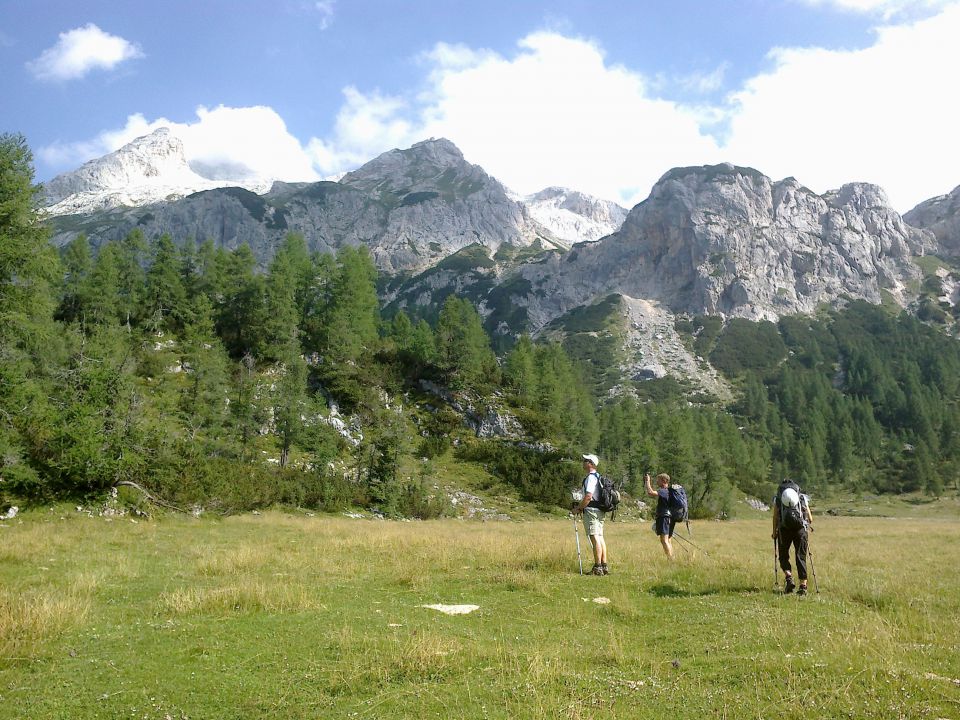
[[284, 615]]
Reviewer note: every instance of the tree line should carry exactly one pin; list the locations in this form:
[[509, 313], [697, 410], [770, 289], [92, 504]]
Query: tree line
[[188, 369]]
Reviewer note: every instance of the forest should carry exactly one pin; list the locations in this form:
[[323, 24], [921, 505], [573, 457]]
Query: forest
[[208, 381]]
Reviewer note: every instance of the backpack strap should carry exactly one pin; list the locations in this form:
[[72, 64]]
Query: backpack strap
[[593, 499]]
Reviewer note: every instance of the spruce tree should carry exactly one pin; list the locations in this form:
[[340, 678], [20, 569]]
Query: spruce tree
[[77, 265], [166, 298], [28, 269]]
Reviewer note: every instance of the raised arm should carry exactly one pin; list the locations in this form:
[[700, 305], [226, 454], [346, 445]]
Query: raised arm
[[650, 491]]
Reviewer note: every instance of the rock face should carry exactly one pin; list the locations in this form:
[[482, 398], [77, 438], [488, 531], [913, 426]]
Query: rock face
[[941, 216], [150, 169], [711, 240], [574, 216], [411, 208], [725, 240]]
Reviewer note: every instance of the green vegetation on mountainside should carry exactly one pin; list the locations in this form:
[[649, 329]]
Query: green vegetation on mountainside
[[182, 368]]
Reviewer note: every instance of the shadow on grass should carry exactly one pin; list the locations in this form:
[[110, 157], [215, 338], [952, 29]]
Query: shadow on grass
[[670, 590]]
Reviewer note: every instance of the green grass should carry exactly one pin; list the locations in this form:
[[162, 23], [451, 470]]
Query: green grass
[[278, 615]]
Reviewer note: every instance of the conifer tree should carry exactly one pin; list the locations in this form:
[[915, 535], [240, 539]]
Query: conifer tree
[[519, 373], [280, 319], [463, 346], [289, 399], [28, 269], [77, 265], [103, 286], [166, 298], [350, 330], [203, 401], [241, 313], [131, 260]]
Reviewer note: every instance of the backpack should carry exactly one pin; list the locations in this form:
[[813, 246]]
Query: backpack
[[608, 497], [679, 508], [791, 519]]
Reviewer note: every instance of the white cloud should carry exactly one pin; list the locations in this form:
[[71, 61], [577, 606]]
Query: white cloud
[[325, 10], [555, 113], [365, 126], [885, 114], [81, 50], [884, 8], [224, 142]]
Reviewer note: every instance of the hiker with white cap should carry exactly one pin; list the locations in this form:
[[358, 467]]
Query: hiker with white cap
[[791, 518], [593, 515]]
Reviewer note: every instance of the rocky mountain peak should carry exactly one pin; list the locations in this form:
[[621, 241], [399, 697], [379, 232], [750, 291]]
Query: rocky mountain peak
[[149, 169], [941, 216], [143, 160], [431, 163], [726, 240], [574, 216]]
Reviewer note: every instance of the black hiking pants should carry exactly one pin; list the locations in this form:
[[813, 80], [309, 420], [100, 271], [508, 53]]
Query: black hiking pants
[[797, 538]]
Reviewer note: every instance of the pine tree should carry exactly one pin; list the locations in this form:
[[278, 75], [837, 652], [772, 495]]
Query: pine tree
[[203, 401], [350, 328], [281, 315], [103, 286], [131, 259], [463, 346], [78, 264], [166, 298], [239, 322], [289, 399], [519, 373], [28, 339]]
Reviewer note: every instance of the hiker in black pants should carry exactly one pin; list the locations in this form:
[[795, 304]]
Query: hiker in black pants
[[791, 518]]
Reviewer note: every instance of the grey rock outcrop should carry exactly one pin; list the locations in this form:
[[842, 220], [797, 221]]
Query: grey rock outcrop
[[941, 216], [574, 216], [410, 208], [725, 240], [150, 169]]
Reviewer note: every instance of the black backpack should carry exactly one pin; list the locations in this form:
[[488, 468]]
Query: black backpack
[[679, 508], [791, 519], [608, 497]]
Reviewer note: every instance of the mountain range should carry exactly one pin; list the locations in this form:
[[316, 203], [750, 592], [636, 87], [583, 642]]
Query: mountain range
[[710, 240]]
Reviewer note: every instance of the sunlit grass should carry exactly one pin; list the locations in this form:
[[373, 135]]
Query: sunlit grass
[[291, 616]]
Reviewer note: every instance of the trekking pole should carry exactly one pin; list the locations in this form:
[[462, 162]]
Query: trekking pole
[[693, 544], [813, 570], [776, 575], [576, 534]]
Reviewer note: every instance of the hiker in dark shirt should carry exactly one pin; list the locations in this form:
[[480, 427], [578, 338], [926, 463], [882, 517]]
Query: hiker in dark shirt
[[791, 518], [664, 523]]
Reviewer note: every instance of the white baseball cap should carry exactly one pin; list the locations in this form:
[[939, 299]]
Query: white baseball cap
[[592, 459]]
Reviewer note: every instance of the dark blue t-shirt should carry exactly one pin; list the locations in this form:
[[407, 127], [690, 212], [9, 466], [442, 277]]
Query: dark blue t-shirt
[[663, 502]]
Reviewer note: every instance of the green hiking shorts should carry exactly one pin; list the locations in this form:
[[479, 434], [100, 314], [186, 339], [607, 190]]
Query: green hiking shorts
[[593, 521]]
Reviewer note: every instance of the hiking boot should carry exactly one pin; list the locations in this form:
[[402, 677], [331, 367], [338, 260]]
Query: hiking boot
[[788, 586], [597, 570], [606, 570], [802, 590]]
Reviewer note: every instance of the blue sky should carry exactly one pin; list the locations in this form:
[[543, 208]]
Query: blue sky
[[601, 96]]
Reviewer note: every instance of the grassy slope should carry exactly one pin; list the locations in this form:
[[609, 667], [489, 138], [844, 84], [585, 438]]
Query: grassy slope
[[284, 616]]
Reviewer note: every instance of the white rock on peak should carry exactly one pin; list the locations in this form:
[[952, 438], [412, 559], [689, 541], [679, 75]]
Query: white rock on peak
[[574, 216], [152, 168]]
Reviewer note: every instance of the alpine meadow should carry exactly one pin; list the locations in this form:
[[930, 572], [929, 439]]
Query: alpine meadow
[[312, 450]]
